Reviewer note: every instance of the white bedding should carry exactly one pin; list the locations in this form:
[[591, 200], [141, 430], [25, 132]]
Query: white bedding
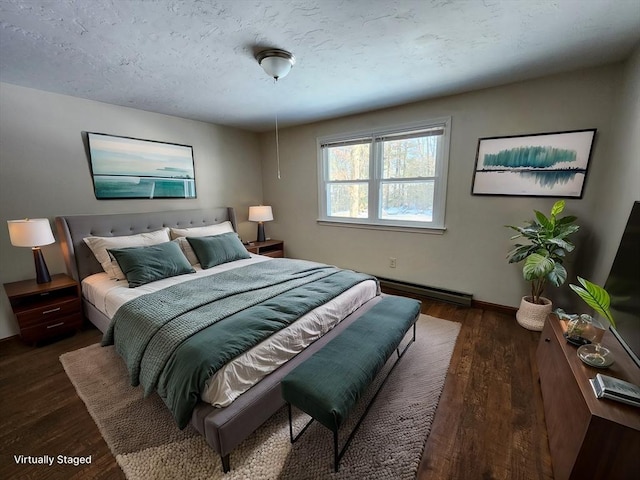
[[107, 295], [237, 376]]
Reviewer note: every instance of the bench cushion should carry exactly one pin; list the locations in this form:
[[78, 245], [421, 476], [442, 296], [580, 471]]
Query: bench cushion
[[328, 384]]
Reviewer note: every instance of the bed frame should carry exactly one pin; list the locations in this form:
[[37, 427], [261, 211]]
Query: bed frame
[[223, 428], [80, 260]]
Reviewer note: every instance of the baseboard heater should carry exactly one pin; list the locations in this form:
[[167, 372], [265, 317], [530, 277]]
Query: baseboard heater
[[457, 298]]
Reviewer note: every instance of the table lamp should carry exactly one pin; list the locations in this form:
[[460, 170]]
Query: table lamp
[[33, 232], [260, 214]]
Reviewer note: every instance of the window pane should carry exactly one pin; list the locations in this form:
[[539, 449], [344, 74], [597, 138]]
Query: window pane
[[349, 162], [407, 201], [410, 158], [348, 200]]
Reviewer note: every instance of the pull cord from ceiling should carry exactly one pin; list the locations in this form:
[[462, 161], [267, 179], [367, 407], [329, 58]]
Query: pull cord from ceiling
[[277, 63], [275, 82], [277, 147]]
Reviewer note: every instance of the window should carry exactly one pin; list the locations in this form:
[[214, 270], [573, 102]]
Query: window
[[395, 177]]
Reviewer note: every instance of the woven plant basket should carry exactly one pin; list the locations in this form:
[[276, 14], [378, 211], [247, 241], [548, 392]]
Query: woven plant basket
[[532, 315]]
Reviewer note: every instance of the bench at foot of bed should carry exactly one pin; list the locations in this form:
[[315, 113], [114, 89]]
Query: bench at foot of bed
[[328, 385]]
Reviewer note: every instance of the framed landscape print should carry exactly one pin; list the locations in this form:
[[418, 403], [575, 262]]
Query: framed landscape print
[[125, 167], [538, 165]]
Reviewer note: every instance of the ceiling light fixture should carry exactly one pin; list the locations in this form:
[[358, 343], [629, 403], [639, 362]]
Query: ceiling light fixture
[[277, 63]]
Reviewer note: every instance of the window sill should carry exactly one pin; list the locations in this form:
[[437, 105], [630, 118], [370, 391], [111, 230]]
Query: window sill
[[375, 226]]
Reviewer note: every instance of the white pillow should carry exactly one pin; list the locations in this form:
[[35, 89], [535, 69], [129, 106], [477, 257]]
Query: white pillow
[[185, 246], [207, 231], [180, 235], [100, 245]]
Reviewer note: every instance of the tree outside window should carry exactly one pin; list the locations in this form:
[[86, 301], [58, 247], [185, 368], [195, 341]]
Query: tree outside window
[[397, 177]]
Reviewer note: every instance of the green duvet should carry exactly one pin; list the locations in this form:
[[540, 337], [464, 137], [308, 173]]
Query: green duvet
[[173, 340]]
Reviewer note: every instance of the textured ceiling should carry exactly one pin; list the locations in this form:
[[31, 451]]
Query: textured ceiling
[[195, 59]]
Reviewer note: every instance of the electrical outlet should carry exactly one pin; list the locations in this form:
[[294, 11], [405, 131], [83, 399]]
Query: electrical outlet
[[392, 262]]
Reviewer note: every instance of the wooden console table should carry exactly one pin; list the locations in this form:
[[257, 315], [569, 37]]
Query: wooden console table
[[588, 437]]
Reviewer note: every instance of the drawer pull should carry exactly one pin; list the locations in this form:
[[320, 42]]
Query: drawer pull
[[51, 311], [547, 340], [55, 325]]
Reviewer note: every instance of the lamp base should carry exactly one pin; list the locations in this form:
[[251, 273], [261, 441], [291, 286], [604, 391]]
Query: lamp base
[[42, 272], [261, 236]]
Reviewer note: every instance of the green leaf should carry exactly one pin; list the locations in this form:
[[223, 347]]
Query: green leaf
[[537, 266], [566, 220], [520, 230], [519, 253], [558, 275], [562, 244], [565, 230], [530, 230], [595, 296], [543, 220], [557, 208]]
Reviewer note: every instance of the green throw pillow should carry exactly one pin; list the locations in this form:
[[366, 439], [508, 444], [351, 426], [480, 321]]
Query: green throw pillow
[[147, 264], [218, 249]]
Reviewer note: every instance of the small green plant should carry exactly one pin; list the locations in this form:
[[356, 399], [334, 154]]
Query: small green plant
[[595, 296], [546, 250]]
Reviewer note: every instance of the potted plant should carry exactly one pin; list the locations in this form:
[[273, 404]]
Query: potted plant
[[543, 256], [597, 298]]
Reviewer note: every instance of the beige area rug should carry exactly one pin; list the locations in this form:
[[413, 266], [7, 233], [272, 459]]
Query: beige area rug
[[147, 444]]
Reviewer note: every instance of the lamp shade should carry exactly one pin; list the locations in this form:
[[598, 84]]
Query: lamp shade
[[261, 213], [30, 232]]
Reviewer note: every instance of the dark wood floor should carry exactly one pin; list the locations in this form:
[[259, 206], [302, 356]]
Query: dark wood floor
[[489, 423]]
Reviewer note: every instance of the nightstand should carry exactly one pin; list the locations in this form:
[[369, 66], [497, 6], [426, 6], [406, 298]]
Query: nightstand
[[45, 310], [269, 248]]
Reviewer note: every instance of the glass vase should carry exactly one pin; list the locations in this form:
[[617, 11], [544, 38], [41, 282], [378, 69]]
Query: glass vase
[[594, 354]]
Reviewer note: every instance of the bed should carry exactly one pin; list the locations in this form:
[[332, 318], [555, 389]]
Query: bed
[[240, 412]]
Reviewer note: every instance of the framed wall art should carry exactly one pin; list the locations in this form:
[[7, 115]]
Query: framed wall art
[[124, 167], [537, 165]]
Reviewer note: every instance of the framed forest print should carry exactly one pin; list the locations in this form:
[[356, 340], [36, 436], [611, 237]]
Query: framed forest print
[[537, 165]]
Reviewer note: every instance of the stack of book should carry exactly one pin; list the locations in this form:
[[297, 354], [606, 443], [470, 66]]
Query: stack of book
[[605, 386]]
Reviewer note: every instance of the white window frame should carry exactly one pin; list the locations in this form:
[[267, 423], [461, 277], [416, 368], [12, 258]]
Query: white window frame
[[375, 180]]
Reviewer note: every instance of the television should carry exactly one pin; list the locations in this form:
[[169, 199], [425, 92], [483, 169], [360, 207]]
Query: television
[[623, 285]]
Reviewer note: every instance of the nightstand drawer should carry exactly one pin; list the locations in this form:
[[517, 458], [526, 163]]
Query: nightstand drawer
[[51, 328], [269, 248], [44, 314], [274, 254]]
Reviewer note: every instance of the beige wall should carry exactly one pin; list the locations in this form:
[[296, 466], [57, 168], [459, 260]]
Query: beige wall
[[470, 256], [44, 170], [619, 185]]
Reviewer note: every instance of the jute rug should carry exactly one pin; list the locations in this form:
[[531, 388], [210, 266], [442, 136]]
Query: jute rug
[[147, 444]]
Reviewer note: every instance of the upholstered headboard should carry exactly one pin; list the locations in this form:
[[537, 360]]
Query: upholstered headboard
[[80, 260]]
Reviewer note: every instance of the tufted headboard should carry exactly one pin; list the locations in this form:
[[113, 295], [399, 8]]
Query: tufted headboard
[[81, 262]]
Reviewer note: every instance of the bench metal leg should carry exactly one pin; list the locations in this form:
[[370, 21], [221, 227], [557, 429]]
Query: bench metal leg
[[413, 339], [291, 437]]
